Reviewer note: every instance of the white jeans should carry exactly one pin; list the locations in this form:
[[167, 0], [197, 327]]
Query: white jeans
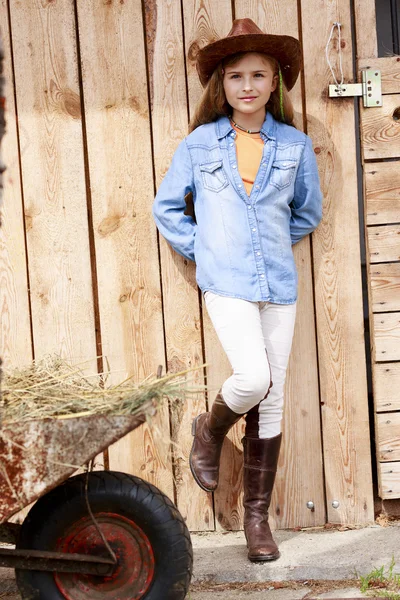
[[257, 338]]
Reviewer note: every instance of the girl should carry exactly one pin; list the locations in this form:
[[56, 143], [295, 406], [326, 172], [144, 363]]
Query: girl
[[256, 192]]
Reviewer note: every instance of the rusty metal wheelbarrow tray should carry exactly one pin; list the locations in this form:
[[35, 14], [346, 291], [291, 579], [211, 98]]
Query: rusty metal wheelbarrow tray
[[38, 455]]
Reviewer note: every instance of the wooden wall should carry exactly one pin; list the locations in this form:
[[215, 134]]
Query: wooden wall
[[99, 95], [380, 139]]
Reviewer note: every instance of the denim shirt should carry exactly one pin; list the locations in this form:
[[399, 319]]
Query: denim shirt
[[242, 245]]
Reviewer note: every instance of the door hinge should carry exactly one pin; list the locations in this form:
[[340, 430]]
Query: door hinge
[[370, 88]]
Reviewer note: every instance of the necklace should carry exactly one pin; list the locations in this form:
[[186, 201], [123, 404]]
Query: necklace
[[243, 128]]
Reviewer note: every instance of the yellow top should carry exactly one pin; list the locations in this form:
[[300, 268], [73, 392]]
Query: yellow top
[[249, 149]]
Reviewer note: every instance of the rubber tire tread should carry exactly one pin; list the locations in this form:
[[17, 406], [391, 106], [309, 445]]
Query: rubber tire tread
[[120, 493]]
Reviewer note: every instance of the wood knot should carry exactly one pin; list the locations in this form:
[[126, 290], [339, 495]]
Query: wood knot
[[175, 365], [396, 114], [108, 226], [72, 104], [43, 297], [28, 222], [193, 51], [134, 104], [317, 150]]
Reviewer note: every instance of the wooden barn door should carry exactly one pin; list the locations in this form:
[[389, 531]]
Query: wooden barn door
[[380, 142]]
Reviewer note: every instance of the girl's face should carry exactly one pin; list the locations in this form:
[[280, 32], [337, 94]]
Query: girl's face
[[248, 84]]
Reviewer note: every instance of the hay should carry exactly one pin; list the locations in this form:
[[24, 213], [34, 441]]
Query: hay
[[52, 388]]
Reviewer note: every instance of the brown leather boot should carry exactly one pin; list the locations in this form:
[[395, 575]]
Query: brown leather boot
[[209, 431], [260, 464]]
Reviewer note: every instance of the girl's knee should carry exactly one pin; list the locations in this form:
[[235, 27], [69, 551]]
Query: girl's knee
[[254, 385]]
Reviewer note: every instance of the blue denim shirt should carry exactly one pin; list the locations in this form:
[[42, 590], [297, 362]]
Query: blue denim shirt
[[242, 245]]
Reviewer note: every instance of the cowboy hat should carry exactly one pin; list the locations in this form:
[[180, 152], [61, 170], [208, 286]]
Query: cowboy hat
[[245, 36]]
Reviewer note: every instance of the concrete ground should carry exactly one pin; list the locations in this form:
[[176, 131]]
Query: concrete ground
[[282, 594], [314, 564], [317, 563]]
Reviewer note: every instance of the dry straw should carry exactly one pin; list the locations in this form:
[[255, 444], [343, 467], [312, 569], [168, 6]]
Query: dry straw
[[52, 388]]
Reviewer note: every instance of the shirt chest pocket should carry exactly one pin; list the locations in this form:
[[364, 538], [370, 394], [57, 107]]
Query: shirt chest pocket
[[213, 176], [282, 173]]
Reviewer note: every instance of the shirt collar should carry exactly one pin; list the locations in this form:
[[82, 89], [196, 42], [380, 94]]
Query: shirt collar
[[224, 127]]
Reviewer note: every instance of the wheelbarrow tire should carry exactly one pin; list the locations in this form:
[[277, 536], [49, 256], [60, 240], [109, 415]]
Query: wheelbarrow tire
[[130, 512]]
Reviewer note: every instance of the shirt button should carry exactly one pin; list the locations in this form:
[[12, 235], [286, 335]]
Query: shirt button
[[262, 276], [257, 187], [240, 185], [233, 166], [254, 229], [231, 144], [249, 207], [258, 253]]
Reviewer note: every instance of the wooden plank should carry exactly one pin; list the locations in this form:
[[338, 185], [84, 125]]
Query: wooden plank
[[380, 130], [53, 174], [386, 334], [390, 72], [300, 476], [120, 167], [389, 480], [337, 261], [384, 243], [15, 327], [15, 331], [387, 436], [205, 21], [366, 35], [386, 386], [180, 297], [385, 287], [301, 457], [382, 186]]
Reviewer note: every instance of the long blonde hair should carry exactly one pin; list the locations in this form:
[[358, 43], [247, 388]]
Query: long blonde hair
[[213, 103]]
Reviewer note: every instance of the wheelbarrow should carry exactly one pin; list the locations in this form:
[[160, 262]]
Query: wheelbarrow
[[99, 535]]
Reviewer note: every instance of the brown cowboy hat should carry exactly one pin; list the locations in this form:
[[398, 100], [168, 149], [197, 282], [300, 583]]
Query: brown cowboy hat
[[245, 36]]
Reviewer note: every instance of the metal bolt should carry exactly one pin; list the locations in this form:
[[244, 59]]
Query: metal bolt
[[335, 504], [310, 504]]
